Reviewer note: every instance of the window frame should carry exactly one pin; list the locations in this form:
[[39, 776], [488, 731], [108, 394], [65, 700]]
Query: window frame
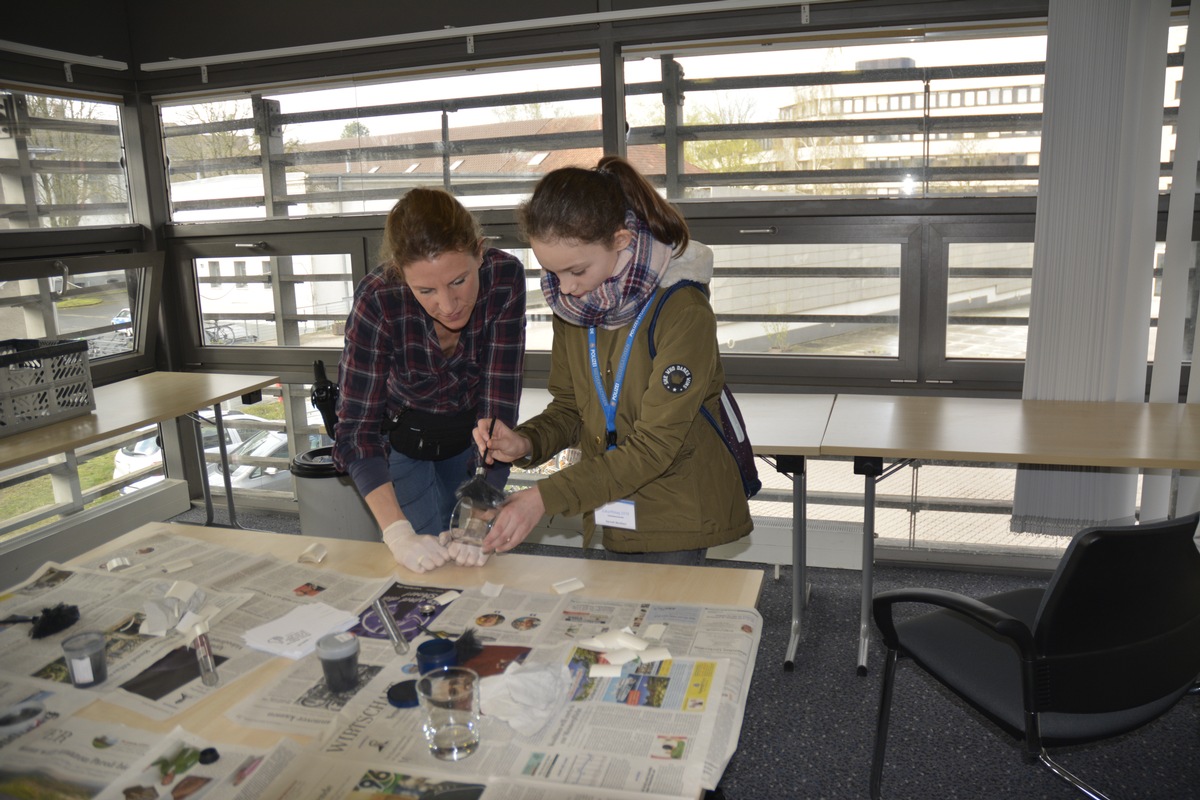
[[15, 124], [936, 367], [184, 252], [142, 356], [804, 370]]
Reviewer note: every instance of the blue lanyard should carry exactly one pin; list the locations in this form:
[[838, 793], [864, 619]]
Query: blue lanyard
[[610, 406]]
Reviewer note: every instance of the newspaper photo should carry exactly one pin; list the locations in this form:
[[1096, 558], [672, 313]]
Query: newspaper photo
[[70, 757], [181, 765], [332, 778], [414, 609]]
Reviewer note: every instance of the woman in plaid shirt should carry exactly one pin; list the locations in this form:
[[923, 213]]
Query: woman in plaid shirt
[[435, 340]]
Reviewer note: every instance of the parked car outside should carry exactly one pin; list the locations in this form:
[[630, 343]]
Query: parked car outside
[[147, 452], [265, 477], [123, 317]]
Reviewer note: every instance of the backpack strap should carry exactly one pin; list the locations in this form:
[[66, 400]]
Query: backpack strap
[[670, 290], [739, 449]]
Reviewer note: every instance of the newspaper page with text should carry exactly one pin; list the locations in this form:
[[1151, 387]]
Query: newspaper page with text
[[666, 726]]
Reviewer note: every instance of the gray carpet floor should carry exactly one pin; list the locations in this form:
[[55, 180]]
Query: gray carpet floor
[[808, 733]]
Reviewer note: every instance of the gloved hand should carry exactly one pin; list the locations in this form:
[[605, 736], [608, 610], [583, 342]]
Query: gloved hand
[[416, 552], [464, 553]]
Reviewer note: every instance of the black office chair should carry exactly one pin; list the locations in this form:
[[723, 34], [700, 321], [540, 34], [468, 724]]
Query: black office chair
[[1110, 644]]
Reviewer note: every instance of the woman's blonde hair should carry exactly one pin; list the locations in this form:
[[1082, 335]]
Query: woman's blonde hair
[[422, 225]]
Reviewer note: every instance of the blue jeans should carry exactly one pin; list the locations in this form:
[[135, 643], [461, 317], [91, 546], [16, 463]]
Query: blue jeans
[[425, 489]]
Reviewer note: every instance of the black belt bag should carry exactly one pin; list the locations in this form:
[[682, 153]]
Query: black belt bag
[[430, 437]]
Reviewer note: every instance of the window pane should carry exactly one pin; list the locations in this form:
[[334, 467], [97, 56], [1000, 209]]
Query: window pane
[[835, 299], [1191, 301], [294, 301], [61, 163], [988, 148], [538, 329], [913, 118], [988, 300], [266, 437], [213, 165], [487, 135], [100, 308], [801, 299], [1176, 39], [987, 306]]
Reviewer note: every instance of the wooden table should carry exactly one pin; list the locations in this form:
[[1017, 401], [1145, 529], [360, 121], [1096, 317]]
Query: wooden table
[[601, 579], [131, 404], [1066, 433]]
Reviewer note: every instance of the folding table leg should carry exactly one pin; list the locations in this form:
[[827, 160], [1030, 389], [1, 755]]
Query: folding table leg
[[225, 472], [872, 470], [800, 586]]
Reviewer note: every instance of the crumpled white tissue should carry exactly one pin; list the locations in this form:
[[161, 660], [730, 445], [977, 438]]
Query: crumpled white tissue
[[525, 696]]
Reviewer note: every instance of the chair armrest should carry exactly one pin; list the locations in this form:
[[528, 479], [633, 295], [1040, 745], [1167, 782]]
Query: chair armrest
[[1000, 622]]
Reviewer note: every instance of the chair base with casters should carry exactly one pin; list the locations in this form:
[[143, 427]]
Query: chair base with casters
[[1112, 643]]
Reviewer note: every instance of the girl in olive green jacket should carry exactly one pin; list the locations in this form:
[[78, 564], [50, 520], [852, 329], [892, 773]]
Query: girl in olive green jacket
[[655, 476]]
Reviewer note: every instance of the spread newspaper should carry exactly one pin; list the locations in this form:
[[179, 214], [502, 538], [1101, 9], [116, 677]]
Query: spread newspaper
[[661, 725]]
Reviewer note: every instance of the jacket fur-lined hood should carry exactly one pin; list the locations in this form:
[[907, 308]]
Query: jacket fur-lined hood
[[695, 264]]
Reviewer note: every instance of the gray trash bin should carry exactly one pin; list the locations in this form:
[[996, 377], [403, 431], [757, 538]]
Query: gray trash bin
[[330, 505]]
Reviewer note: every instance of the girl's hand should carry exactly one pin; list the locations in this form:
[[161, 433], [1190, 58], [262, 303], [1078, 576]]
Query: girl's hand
[[520, 512], [503, 444], [462, 553]]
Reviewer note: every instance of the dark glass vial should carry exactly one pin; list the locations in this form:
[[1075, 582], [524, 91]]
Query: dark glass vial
[[339, 659]]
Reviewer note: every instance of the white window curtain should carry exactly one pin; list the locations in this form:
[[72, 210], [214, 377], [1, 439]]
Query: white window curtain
[[1173, 303], [1188, 497], [1093, 239]]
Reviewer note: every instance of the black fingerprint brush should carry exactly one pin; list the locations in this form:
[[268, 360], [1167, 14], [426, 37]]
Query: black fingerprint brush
[[467, 646], [49, 622], [477, 491]]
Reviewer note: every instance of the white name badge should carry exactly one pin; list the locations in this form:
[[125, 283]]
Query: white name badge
[[617, 514]]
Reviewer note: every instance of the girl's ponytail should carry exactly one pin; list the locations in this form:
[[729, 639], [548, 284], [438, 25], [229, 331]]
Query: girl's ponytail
[[665, 221]]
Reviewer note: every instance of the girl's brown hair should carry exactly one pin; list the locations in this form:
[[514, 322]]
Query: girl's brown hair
[[589, 205], [422, 225]]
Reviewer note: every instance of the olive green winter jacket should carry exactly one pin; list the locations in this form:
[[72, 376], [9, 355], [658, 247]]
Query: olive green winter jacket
[[670, 461]]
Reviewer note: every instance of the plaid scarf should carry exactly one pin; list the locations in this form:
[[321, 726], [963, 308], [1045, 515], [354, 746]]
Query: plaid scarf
[[616, 302]]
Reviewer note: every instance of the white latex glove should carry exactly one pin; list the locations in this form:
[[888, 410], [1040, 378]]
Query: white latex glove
[[416, 552], [463, 553]]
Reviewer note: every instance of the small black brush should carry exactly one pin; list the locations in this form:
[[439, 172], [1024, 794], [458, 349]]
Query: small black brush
[[467, 646], [477, 491], [49, 622]]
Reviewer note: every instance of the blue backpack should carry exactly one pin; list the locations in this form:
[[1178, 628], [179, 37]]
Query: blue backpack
[[731, 427]]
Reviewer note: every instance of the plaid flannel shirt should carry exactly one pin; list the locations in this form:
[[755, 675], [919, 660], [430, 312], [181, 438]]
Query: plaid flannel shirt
[[392, 360]]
